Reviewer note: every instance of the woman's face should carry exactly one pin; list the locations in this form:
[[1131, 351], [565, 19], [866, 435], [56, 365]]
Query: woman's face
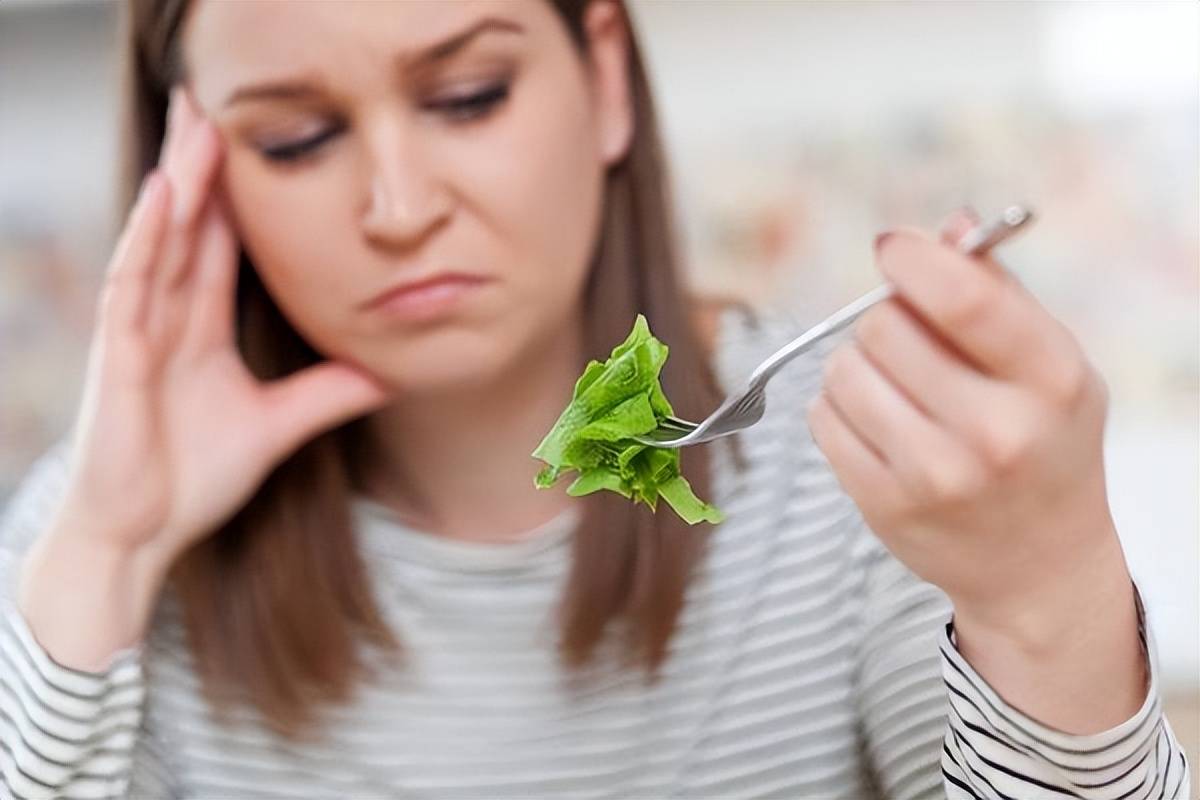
[[371, 144]]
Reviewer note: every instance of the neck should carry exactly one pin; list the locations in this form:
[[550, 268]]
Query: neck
[[458, 464]]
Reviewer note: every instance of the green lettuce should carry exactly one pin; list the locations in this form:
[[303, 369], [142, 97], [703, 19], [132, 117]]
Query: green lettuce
[[612, 402]]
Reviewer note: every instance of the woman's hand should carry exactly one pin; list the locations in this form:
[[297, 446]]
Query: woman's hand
[[967, 424], [174, 433]]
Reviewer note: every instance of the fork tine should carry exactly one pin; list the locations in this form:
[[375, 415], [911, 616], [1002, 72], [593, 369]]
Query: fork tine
[[661, 436], [748, 402]]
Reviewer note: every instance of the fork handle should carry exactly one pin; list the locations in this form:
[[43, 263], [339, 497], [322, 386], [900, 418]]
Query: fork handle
[[977, 241]]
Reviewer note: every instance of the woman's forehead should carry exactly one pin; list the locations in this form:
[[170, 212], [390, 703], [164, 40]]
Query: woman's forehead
[[230, 43]]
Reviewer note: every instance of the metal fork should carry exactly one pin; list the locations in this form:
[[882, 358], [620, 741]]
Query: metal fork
[[743, 409]]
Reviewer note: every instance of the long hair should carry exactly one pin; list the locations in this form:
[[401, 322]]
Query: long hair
[[277, 601]]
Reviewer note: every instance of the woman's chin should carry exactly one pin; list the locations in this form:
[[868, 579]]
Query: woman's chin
[[432, 373]]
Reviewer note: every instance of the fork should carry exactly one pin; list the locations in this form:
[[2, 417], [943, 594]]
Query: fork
[[741, 410]]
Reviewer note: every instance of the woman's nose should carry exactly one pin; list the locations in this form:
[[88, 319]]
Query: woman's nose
[[405, 203]]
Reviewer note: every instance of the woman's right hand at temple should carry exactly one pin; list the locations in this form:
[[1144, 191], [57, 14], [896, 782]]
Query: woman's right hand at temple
[[174, 433]]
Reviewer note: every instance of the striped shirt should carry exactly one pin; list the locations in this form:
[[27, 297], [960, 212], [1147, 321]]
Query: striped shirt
[[808, 663]]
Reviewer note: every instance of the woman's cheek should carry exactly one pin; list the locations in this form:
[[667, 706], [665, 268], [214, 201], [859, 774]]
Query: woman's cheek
[[534, 174], [562, 196], [294, 269]]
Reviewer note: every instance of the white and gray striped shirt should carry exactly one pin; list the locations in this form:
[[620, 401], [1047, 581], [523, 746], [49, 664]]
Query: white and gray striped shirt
[[809, 663]]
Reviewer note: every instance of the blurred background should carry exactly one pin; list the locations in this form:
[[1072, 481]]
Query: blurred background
[[796, 131]]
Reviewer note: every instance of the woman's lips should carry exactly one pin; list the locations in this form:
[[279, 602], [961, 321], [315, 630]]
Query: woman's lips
[[425, 300]]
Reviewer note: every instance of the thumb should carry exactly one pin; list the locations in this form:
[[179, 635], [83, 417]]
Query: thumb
[[957, 225], [319, 398]]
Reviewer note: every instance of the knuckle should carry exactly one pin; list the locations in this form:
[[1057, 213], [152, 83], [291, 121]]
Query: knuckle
[[970, 307], [945, 482], [1004, 447], [1071, 383]]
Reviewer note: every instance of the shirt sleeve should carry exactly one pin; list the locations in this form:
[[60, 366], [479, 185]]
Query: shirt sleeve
[[992, 750], [932, 727], [65, 733]]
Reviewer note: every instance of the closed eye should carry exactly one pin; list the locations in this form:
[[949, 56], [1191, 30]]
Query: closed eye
[[294, 151], [472, 106], [464, 108]]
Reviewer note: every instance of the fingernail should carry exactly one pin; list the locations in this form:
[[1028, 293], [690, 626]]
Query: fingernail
[[881, 238]]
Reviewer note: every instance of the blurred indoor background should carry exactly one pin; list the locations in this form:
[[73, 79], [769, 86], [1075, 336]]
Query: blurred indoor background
[[796, 131]]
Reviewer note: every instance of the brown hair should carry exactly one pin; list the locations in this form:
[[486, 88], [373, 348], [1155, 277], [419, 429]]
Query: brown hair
[[277, 600]]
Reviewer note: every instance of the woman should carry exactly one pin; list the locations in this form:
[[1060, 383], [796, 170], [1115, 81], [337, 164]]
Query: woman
[[293, 547]]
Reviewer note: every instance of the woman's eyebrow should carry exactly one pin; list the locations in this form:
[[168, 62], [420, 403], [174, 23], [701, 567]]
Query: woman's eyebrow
[[439, 51]]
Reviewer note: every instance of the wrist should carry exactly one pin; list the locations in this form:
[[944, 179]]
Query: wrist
[[79, 538], [1079, 666], [1045, 633], [1094, 592], [85, 597]]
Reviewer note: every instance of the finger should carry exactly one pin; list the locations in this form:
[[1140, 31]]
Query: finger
[[191, 173], [924, 457], [123, 299], [914, 358], [857, 467], [173, 134], [957, 225], [168, 158], [197, 131], [999, 326], [212, 298], [319, 398]]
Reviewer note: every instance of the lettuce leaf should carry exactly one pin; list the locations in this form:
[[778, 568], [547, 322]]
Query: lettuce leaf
[[612, 402]]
